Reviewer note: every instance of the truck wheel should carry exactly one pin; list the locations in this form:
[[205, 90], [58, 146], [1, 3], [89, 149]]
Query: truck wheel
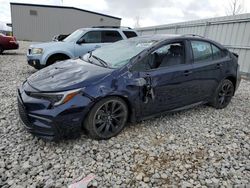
[[55, 58]]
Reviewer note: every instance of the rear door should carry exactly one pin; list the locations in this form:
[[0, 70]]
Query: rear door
[[208, 62], [110, 36]]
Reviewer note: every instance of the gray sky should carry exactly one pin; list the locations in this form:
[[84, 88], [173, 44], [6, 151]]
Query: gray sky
[[149, 12]]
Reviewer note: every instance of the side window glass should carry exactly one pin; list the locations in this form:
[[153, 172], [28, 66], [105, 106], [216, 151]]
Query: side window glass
[[165, 56], [111, 36], [202, 51], [130, 34], [169, 55], [217, 53], [142, 65], [92, 37]]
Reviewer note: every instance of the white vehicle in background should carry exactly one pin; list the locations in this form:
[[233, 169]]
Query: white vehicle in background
[[76, 44]]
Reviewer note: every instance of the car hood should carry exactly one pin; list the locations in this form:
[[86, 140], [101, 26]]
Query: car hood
[[66, 75], [48, 44]]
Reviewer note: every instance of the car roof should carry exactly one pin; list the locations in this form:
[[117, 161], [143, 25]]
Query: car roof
[[106, 28], [159, 36], [163, 37]]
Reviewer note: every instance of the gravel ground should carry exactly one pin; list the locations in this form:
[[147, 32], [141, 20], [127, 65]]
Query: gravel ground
[[194, 148]]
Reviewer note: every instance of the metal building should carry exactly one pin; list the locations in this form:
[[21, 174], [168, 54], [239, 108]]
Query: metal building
[[231, 31], [41, 22]]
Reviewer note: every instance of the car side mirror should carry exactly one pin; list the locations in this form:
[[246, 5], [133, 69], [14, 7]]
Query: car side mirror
[[81, 41], [139, 82]]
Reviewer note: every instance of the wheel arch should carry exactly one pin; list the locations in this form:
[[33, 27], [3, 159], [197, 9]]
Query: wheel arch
[[233, 79], [67, 55], [131, 109]]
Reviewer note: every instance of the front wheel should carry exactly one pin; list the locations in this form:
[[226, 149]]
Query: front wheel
[[107, 118], [223, 94], [56, 58]]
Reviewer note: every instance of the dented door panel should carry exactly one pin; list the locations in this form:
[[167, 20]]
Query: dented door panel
[[169, 88]]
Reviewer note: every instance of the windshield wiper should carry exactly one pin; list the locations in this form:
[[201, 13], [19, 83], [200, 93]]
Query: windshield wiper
[[86, 59], [105, 64]]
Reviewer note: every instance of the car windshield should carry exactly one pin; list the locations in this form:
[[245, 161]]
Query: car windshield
[[119, 53], [74, 36]]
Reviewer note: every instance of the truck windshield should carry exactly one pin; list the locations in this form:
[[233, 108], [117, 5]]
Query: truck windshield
[[74, 36]]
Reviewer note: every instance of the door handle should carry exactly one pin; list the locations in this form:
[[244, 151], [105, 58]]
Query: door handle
[[97, 46], [187, 72], [218, 65]]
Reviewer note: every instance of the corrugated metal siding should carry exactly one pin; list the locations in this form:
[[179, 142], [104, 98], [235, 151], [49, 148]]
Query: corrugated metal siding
[[51, 21], [231, 31]]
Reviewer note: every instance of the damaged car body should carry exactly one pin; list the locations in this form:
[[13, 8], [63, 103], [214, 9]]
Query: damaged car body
[[129, 80]]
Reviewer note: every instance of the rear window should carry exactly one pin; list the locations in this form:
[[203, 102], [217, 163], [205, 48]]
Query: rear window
[[111, 36], [202, 51], [130, 34], [217, 53]]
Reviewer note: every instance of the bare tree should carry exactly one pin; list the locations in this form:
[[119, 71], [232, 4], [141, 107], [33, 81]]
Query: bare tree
[[137, 22], [235, 7]]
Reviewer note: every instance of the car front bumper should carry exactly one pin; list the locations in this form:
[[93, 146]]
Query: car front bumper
[[52, 124], [36, 60], [35, 63]]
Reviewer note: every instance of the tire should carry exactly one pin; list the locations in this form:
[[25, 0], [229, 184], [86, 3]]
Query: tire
[[107, 118], [223, 94], [1, 49], [55, 58]]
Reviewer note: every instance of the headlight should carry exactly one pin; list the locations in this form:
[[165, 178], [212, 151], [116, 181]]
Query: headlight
[[36, 51], [57, 98]]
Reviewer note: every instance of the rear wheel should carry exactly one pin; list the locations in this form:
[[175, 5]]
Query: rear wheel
[[1, 49], [223, 94], [55, 58], [107, 118]]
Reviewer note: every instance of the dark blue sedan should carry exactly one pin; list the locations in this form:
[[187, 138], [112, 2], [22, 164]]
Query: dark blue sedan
[[129, 80]]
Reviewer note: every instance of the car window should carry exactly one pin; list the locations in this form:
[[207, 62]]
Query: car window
[[111, 36], [129, 34], [92, 37], [166, 56], [217, 53], [202, 51]]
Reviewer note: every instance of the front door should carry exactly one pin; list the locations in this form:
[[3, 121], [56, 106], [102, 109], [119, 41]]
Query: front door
[[88, 42], [169, 79], [96, 39]]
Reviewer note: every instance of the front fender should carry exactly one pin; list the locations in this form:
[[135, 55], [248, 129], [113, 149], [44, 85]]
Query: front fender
[[114, 85]]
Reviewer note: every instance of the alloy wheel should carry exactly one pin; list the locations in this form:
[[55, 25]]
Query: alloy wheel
[[225, 94], [110, 118]]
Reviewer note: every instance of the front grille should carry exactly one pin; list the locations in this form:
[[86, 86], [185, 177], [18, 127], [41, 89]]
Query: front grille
[[23, 114]]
